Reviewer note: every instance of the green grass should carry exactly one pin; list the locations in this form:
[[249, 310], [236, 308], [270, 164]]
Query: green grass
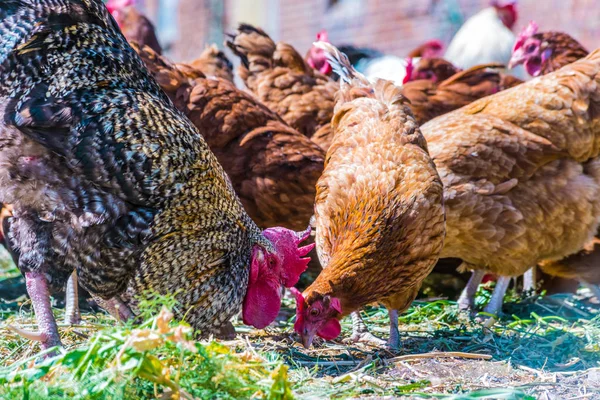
[[541, 344]]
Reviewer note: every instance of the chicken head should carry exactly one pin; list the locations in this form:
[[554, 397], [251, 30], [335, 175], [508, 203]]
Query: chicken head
[[272, 268], [528, 50], [318, 316], [316, 57]]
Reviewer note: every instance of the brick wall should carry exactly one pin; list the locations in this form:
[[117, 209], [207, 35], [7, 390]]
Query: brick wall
[[394, 26]]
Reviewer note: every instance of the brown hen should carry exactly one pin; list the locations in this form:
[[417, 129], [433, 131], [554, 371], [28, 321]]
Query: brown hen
[[429, 99], [278, 75], [379, 212], [213, 62], [135, 26], [521, 174]]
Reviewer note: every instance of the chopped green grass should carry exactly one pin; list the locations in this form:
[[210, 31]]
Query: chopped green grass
[[542, 344]]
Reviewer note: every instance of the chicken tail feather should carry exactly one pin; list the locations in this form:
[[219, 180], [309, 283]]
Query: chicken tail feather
[[341, 64]]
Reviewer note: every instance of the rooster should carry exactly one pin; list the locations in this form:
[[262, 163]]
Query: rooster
[[543, 52], [521, 173], [486, 37], [106, 177], [379, 213]]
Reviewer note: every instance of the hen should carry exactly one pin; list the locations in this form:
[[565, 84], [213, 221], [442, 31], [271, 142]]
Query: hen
[[135, 26], [285, 83], [108, 178], [429, 99], [379, 212], [213, 62], [544, 52], [273, 168], [433, 69], [521, 174]]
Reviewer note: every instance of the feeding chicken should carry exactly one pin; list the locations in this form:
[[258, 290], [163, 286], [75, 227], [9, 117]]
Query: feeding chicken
[[543, 52], [106, 177], [521, 174], [379, 213], [134, 25], [281, 79]]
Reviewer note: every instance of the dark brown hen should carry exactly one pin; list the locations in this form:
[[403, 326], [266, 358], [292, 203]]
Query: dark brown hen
[[108, 178], [278, 75]]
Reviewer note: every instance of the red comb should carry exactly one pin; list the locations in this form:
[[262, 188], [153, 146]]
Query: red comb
[[527, 32], [410, 67], [322, 36]]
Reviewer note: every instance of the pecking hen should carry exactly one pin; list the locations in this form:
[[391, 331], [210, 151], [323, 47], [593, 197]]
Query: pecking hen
[[108, 178], [379, 212], [521, 173], [281, 79]]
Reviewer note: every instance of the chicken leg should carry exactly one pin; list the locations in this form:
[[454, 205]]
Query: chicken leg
[[72, 314], [530, 280], [466, 301], [360, 332], [495, 304], [47, 335]]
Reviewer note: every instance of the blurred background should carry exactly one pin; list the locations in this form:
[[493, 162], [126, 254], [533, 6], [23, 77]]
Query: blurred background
[[392, 26]]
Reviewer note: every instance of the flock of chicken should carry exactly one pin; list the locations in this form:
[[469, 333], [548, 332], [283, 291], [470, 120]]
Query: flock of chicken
[[145, 175]]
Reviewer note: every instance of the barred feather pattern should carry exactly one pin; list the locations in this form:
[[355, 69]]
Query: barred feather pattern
[[105, 175]]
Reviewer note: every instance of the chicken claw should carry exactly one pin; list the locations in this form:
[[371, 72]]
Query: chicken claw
[[115, 307], [37, 288], [360, 333]]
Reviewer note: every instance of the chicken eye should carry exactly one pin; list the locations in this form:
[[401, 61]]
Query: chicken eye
[[530, 48], [314, 312]]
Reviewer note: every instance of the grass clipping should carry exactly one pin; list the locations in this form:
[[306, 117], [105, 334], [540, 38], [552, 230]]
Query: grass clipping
[[155, 360]]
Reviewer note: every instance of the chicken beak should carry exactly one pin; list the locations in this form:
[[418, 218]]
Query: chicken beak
[[307, 338], [517, 58]]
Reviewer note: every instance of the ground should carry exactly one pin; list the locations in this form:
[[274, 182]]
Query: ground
[[545, 347]]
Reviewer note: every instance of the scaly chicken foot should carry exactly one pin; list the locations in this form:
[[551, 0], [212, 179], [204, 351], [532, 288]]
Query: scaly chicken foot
[[72, 314], [466, 301], [115, 307], [593, 288], [494, 306], [47, 335], [394, 341], [361, 334]]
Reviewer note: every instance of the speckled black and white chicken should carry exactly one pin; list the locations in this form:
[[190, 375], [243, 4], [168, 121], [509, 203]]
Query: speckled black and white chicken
[[108, 178]]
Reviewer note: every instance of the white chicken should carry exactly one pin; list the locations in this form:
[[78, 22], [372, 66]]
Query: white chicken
[[486, 37]]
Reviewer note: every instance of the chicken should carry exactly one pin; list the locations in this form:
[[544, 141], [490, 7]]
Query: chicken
[[281, 80], [273, 168], [486, 37], [433, 69], [544, 52], [379, 212], [316, 57], [213, 62], [521, 173], [430, 49], [135, 26], [106, 177], [429, 100]]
